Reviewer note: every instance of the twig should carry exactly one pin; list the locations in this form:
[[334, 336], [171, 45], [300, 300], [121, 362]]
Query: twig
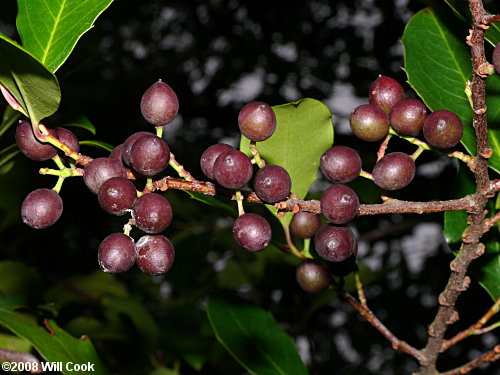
[[475, 329], [397, 344], [492, 356], [471, 248]]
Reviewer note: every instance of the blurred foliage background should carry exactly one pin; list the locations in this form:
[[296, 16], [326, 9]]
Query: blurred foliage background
[[219, 55]]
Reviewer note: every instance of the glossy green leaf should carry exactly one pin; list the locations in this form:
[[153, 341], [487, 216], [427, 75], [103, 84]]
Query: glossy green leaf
[[253, 337], [11, 342], [50, 29], [81, 122], [212, 201], [53, 343], [97, 144], [486, 269], [9, 118], [33, 86], [439, 69], [94, 286], [304, 131]]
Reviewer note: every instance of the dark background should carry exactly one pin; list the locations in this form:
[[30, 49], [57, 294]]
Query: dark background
[[219, 55]]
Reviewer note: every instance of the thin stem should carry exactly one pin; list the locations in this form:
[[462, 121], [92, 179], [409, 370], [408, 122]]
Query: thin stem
[[256, 156], [476, 328], [359, 288], [365, 174], [179, 168], [491, 356], [289, 242], [159, 131], [383, 146], [58, 185], [239, 202], [306, 248], [59, 162], [364, 311], [149, 185], [45, 136]]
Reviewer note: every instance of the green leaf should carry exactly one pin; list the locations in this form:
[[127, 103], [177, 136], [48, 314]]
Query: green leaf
[[212, 201], [303, 133], [252, 336], [50, 29], [81, 122], [97, 144], [11, 342], [9, 118], [53, 343], [16, 278], [439, 69], [28, 81]]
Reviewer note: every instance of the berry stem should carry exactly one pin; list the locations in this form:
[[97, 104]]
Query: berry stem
[[289, 242], [417, 153], [383, 146], [44, 136], [59, 162], [127, 228], [149, 184], [58, 185], [365, 174], [359, 288], [159, 131], [256, 156], [239, 202], [179, 168], [306, 249]]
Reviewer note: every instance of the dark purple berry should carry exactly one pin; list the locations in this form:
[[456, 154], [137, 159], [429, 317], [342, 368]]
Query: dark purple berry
[[32, 147], [159, 104], [209, 156], [117, 195], [116, 154], [335, 243], [305, 224], [339, 204], [152, 213], [385, 92], [41, 208], [443, 129], [340, 164], [233, 169], [100, 170], [496, 58], [68, 138], [116, 253], [312, 276], [369, 123], [252, 232], [149, 155], [129, 142], [155, 254], [407, 116], [272, 183], [257, 121], [394, 171]]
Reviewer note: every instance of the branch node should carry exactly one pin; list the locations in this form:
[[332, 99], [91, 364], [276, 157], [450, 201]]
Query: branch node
[[453, 318], [443, 301]]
